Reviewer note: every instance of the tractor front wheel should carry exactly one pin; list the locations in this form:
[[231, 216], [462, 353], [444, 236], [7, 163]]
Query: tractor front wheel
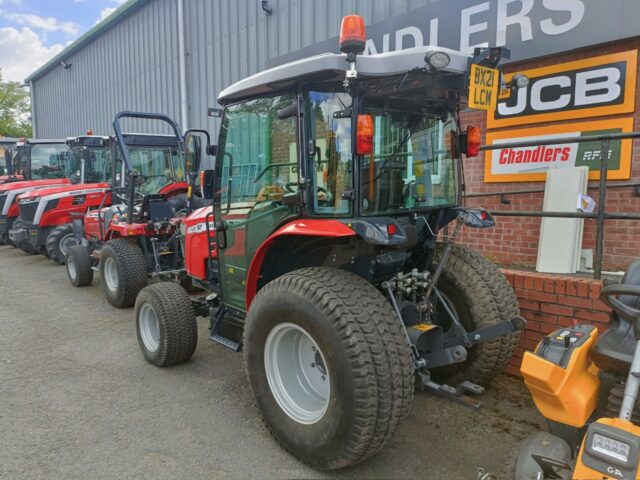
[[329, 366], [59, 240], [78, 263], [478, 293], [166, 324], [123, 271]]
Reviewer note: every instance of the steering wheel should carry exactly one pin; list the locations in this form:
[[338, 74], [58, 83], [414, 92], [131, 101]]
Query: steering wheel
[[124, 198], [609, 296], [327, 194]]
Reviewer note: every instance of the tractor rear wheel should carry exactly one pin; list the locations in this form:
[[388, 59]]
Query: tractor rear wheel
[[123, 271], [59, 240], [329, 366], [166, 324], [479, 294], [78, 264]]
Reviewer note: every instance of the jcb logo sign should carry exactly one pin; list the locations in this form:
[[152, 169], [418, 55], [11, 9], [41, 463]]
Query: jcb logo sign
[[586, 88]]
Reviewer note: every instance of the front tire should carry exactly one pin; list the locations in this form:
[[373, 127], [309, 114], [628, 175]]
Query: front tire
[[481, 296], [78, 266], [329, 366], [59, 240], [166, 324], [123, 271]]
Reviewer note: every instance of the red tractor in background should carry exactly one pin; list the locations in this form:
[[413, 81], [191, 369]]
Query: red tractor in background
[[8, 150], [40, 163], [335, 176], [138, 237], [45, 218]]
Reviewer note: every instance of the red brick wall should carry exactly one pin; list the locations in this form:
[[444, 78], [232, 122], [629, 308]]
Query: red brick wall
[[514, 241], [549, 302]]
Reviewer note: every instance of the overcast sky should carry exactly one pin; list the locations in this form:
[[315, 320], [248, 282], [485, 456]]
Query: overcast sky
[[33, 31]]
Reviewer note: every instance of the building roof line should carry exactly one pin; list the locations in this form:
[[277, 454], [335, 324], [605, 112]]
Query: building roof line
[[87, 37]]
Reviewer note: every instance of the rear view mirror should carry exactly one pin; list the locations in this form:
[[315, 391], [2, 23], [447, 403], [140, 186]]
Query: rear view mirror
[[192, 153]]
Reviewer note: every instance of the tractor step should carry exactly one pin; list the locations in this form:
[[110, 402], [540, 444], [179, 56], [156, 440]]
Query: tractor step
[[216, 337]]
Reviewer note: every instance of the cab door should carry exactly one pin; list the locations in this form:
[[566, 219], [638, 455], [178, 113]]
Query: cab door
[[256, 173]]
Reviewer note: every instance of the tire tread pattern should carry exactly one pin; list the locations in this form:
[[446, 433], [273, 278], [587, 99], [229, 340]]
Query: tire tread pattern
[[53, 242], [133, 270], [178, 319], [494, 302], [376, 346]]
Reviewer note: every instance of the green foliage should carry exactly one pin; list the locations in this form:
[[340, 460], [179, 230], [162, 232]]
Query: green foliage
[[15, 110]]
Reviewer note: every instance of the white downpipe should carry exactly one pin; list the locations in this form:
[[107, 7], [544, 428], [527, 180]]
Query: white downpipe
[[32, 93], [184, 105]]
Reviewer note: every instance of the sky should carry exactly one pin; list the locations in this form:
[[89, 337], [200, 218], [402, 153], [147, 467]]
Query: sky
[[34, 31]]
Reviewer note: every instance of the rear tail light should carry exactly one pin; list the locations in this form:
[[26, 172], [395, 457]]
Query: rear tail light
[[364, 136], [392, 229], [474, 140]]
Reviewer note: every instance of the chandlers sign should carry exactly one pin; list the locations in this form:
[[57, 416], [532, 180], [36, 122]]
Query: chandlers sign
[[526, 164], [596, 86]]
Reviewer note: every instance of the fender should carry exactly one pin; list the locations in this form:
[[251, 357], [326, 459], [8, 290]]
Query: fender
[[175, 188], [328, 228]]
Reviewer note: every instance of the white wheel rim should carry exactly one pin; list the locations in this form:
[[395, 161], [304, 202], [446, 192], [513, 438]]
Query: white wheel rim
[[111, 274], [149, 327], [71, 268], [297, 373], [67, 242]]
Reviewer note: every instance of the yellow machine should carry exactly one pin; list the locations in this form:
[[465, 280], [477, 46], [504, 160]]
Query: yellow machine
[[586, 386]]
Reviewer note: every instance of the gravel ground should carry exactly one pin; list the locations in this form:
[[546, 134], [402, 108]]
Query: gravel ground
[[78, 401]]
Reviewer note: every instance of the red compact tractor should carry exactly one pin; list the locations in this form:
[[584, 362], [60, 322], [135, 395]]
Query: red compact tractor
[[138, 236], [41, 163], [335, 176], [44, 224]]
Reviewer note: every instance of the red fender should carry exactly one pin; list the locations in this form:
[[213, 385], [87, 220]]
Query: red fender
[[328, 228]]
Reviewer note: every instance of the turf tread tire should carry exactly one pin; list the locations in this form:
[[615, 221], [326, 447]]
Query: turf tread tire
[[132, 271], [377, 352], [53, 243], [82, 261], [476, 277], [178, 324]]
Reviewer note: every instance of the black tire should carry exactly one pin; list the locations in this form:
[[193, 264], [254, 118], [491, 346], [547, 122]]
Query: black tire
[[481, 296], [365, 355], [176, 321], [56, 244], [130, 271], [78, 266]]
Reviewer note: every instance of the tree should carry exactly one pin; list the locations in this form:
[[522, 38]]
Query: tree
[[15, 110]]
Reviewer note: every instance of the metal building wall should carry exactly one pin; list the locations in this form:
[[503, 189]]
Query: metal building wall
[[135, 64]]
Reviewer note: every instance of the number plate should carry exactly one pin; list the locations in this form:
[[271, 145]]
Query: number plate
[[483, 87]]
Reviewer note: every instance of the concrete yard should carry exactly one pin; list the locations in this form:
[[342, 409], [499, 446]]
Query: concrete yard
[[78, 401]]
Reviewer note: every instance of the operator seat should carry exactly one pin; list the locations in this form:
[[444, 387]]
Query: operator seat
[[614, 349]]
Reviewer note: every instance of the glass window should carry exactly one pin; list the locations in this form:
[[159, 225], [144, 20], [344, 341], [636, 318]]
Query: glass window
[[157, 167], [413, 164], [49, 161], [97, 164], [332, 165]]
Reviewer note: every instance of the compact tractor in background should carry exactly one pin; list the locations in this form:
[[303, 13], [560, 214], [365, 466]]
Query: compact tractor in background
[[320, 254], [40, 163], [44, 224], [586, 385], [138, 237], [8, 150]]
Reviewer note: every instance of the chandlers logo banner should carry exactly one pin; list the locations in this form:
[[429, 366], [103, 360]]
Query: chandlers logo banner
[[527, 164], [596, 86]]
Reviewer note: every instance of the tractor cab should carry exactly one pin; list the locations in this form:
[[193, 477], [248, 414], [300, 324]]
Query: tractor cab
[[90, 159], [7, 153], [43, 159]]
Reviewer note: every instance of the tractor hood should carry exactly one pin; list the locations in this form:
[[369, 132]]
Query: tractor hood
[[64, 190], [33, 184]]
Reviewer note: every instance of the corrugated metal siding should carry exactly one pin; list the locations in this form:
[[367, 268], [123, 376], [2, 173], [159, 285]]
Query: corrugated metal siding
[[135, 64]]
